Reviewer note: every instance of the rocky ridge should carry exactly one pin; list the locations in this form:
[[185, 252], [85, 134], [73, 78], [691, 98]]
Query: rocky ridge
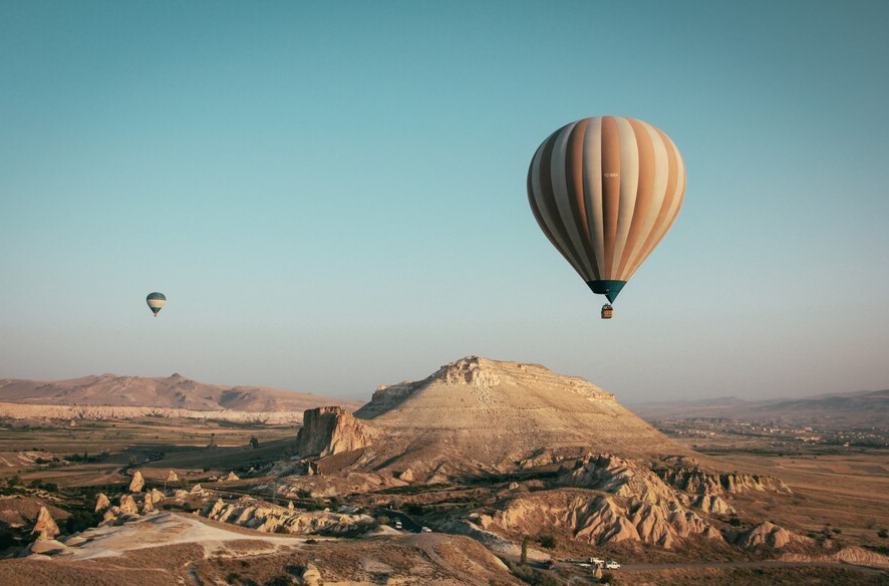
[[248, 512], [604, 499]]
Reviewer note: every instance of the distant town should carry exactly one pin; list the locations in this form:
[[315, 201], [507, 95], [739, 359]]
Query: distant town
[[773, 435]]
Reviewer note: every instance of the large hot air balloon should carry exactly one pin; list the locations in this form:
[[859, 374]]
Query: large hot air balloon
[[605, 191], [156, 302]]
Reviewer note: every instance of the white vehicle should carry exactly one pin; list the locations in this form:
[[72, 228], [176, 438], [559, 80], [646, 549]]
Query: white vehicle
[[612, 565], [398, 524], [426, 530], [597, 561]]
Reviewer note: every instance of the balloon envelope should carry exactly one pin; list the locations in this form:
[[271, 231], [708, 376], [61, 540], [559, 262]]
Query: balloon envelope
[[605, 191], [156, 302]]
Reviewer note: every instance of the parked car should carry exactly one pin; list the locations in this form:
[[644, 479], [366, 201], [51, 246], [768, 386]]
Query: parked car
[[549, 564], [398, 524], [426, 530], [612, 565]]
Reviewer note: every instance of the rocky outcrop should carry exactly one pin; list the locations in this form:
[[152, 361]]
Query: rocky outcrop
[[712, 504], [156, 495], [330, 430], [627, 478], [45, 526], [274, 519], [766, 534], [597, 519], [311, 576], [230, 477], [102, 503], [172, 477], [862, 557], [47, 547], [138, 483], [128, 505], [696, 481]]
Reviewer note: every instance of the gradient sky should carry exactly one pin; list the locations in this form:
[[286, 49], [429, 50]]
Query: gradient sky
[[332, 194]]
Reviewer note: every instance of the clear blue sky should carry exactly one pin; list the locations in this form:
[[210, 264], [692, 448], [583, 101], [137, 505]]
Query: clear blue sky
[[332, 194]]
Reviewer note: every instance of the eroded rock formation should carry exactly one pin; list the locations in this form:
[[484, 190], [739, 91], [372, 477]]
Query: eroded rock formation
[[45, 526], [262, 516], [766, 534], [138, 483], [102, 503], [598, 519], [330, 430]]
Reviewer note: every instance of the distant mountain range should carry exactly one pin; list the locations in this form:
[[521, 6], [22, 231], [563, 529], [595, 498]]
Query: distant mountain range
[[172, 392], [857, 409]]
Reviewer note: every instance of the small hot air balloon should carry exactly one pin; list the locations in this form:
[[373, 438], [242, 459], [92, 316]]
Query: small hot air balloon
[[605, 191], [156, 302]]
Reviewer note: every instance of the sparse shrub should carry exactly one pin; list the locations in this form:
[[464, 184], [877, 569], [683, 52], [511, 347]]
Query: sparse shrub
[[837, 530], [383, 520], [547, 541], [607, 578], [734, 522], [311, 541], [304, 494], [532, 576], [14, 480], [414, 509], [79, 520], [884, 533]]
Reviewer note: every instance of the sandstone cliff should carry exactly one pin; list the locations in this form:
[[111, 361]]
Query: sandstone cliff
[[330, 430]]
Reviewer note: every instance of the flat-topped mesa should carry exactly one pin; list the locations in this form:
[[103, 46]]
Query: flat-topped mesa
[[471, 370], [484, 372], [330, 430], [480, 373]]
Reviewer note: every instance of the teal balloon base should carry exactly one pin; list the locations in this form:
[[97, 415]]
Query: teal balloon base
[[609, 289]]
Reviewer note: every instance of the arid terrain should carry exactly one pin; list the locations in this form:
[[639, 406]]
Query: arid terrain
[[485, 472]]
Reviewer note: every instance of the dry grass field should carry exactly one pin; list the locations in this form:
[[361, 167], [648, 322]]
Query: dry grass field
[[176, 443]]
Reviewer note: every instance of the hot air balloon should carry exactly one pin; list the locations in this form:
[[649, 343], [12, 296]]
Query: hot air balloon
[[605, 191], [156, 302]]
